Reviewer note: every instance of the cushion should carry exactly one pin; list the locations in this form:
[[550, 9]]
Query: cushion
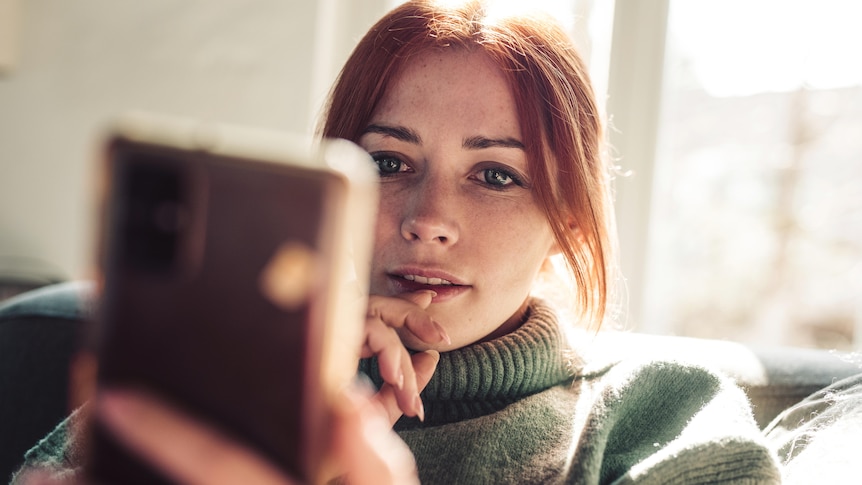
[[38, 338]]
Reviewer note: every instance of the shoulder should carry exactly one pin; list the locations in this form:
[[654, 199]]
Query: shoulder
[[642, 382], [672, 421], [666, 393]]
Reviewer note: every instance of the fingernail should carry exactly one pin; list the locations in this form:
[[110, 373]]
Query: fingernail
[[420, 408], [400, 380], [432, 294]]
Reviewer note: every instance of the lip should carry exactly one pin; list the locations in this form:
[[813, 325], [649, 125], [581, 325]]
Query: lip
[[444, 291]]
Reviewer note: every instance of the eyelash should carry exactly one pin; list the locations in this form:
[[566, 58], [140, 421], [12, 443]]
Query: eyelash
[[380, 158], [516, 180]]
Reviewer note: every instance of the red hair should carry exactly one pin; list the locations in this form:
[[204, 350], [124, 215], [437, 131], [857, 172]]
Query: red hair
[[560, 121]]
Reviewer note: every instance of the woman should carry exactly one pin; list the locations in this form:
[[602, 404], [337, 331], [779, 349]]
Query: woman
[[489, 143], [490, 147], [516, 125]]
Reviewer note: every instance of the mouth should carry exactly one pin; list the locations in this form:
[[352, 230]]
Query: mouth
[[446, 286], [426, 281]]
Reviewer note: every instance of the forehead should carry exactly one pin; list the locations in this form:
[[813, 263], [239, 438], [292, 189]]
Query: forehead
[[452, 87]]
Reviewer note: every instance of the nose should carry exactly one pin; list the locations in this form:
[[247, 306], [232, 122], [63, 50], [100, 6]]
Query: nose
[[425, 230], [430, 216]]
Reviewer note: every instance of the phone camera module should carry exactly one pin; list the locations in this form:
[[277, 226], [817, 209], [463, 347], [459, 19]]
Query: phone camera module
[[153, 215]]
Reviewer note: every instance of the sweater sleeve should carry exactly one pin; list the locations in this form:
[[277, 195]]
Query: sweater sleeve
[[672, 423], [58, 457]]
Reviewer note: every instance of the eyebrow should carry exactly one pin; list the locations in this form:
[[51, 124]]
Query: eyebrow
[[479, 142], [472, 143], [398, 132]]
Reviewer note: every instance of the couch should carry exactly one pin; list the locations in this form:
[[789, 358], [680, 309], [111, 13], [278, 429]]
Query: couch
[[40, 329]]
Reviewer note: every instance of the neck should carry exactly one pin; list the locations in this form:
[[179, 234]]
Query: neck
[[513, 323]]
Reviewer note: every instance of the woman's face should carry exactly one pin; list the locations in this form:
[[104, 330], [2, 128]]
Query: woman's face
[[457, 215]]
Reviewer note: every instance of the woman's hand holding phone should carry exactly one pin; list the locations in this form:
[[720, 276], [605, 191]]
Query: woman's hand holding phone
[[363, 444], [187, 451]]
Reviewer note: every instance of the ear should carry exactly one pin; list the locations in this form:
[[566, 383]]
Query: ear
[[573, 227]]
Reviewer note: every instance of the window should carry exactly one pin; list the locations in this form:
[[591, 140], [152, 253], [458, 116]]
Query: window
[[755, 229]]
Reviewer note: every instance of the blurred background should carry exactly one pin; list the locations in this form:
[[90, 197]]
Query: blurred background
[[736, 126]]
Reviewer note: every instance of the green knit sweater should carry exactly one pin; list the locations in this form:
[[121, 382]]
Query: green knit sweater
[[514, 410]]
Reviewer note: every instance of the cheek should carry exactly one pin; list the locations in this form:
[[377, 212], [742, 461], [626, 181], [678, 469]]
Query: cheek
[[518, 263], [387, 230], [513, 246], [387, 222], [513, 230]]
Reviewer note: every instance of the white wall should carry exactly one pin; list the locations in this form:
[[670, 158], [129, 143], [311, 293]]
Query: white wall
[[264, 63]]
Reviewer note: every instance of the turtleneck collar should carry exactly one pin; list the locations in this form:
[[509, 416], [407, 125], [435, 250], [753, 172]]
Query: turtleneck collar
[[485, 377]]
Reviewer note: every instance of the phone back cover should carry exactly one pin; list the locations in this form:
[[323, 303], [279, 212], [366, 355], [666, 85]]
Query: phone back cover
[[192, 318]]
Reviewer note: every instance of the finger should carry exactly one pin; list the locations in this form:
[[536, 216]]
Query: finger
[[408, 310], [366, 445], [395, 366], [418, 325], [186, 451], [422, 298], [424, 364], [408, 395], [384, 342]]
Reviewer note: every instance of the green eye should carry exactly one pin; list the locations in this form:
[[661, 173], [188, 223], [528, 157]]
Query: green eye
[[388, 165], [497, 177]]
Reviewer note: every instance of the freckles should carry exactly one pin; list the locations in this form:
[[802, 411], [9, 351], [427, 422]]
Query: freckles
[[390, 212], [511, 229], [387, 217]]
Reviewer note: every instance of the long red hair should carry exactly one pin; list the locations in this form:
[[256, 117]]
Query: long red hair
[[560, 122]]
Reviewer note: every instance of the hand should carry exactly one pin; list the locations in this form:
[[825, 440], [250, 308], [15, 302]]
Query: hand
[[363, 444], [404, 375]]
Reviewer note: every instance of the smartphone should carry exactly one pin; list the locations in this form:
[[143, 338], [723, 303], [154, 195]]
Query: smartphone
[[234, 265]]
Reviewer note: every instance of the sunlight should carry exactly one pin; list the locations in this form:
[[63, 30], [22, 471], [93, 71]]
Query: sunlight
[[742, 47], [559, 9]]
